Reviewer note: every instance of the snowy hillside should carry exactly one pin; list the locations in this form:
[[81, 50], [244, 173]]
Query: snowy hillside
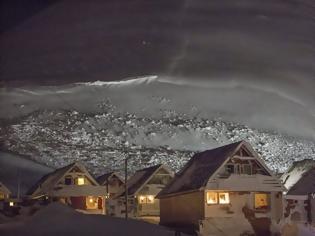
[[149, 118]]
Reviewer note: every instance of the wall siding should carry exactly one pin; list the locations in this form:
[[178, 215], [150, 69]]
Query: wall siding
[[186, 209]]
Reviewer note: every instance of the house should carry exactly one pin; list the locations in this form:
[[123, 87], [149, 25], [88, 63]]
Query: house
[[142, 188], [113, 182], [4, 197], [220, 187], [72, 185], [300, 197]]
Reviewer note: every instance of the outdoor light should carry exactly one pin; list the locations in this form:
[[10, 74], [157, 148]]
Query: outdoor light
[[91, 200], [150, 199], [11, 204]]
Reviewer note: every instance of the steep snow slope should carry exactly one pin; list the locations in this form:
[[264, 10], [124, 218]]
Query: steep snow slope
[[153, 119]]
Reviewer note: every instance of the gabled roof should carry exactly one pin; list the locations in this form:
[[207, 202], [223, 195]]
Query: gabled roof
[[4, 189], [47, 182], [103, 179], [296, 172], [305, 185], [141, 177], [202, 166]]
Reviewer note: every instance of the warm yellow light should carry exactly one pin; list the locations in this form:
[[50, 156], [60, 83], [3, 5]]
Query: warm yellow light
[[81, 181], [11, 204], [224, 198], [212, 198], [261, 201], [150, 199], [142, 199], [91, 200]]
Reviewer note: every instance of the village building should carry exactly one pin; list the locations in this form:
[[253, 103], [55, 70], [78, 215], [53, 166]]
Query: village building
[[142, 189], [113, 183], [72, 185], [5, 194], [300, 198], [224, 191]]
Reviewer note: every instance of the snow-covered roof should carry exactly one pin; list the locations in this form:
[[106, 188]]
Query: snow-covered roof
[[300, 178], [202, 166], [141, 177], [103, 179], [49, 181]]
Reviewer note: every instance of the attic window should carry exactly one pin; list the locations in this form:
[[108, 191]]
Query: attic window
[[80, 181], [68, 180]]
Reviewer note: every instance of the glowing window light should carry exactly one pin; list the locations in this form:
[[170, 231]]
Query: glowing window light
[[224, 198], [212, 198], [261, 201], [11, 204], [142, 199], [80, 181], [150, 199]]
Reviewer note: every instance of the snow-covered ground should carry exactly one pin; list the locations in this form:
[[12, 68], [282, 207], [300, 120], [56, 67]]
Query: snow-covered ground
[[152, 119], [58, 219]]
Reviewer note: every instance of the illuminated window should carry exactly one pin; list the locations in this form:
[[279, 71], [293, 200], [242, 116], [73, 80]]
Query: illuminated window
[[146, 199], [212, 198], [80, 181], [142, 199], [261, 201], [11, 204], [91, 202], [2, 196], [150, 199], [224, 198]]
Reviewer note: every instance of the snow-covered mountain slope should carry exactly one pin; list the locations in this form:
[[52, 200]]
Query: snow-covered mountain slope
[[154, 120]]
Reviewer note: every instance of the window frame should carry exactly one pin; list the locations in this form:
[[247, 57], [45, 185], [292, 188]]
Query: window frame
[[217, 196], [268, 199]]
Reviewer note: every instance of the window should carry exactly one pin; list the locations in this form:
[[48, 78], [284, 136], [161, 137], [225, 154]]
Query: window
[[229, 168], [261, 201], [218, 197], [146, 199], [224, 198], [2, 196], [80, 181], [68, 180], [212, 198], [247, 169], [91, 202]]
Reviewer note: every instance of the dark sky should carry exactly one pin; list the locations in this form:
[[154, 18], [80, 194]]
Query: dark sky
[[53, 42]]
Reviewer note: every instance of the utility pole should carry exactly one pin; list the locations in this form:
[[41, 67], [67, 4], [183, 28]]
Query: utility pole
[[126, 188]]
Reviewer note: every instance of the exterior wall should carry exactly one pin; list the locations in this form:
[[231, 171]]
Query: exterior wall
[[239, 200], [295, 209], [115, 186], [312, 206], [185, 209]]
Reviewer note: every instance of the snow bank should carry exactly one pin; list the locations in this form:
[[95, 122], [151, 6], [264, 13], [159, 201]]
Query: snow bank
[[58, 219]]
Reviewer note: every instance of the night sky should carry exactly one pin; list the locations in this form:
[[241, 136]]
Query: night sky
[[57, 42]]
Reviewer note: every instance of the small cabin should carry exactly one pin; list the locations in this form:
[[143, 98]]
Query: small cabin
[[113, 183], [72, 185], [219, 187], [142, 189], [300, 197], [5, 194]]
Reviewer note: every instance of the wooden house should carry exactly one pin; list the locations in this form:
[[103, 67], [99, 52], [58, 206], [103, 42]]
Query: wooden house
[[142, 188], [220, 187], [5, 194], [72, 185], [113, 183], [300, 197]]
